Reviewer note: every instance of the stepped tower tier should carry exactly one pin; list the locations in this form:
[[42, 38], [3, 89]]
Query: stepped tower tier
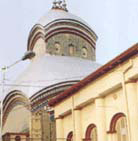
[[61, 33], [64, 47]]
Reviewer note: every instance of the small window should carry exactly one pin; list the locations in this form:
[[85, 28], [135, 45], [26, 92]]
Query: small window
[[84, 52], [71, 50], [17, 138], [57, 47]]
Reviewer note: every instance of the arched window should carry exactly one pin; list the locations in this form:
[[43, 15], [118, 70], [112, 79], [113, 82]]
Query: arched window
[[71, 50], [70, 136], [17, 138], [57, 48], [84, 52], [119, 126], [91, 133]]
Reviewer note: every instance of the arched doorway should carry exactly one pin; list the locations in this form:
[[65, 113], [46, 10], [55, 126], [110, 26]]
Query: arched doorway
[[91, 133]]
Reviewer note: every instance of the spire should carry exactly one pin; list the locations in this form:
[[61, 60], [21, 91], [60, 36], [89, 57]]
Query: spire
[[64, 5], [59, 4]]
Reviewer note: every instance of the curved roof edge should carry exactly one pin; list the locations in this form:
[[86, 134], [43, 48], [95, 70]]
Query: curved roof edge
[[93, 76], [55, 16], [44, 90]]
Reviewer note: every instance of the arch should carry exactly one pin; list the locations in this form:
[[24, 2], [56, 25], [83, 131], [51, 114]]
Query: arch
[[36, 32], [12, 95], [89, 131], [58, 47], [114, 121], [70, 136], [35, 39], [17, 138], [70, 31], [72, 49], [11, 100], [84, 52]]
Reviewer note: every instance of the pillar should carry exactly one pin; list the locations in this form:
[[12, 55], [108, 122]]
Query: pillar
[[78, 135], [36, 128], [59, 130], [101, 121], [132, 98], [114, 137]]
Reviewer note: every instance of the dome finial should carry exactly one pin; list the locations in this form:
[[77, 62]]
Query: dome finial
[[64, 5], [60, 4]]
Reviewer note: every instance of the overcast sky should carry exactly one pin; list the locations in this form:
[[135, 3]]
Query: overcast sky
[[114, 21]]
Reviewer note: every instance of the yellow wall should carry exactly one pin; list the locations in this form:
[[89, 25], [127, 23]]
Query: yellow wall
[[110, 94]]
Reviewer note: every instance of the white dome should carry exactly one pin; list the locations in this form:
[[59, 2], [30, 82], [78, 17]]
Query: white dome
[[49, 70], [58, 14]]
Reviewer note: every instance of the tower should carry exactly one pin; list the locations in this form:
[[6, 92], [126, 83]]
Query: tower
[[63, 34], [64, 45]]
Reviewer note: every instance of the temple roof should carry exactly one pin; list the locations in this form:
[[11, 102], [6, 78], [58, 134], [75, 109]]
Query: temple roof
[[50, 70], [57, 15], [96, 74]]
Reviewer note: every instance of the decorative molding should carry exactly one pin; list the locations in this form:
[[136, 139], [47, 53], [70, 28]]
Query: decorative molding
[[75, 25], [38, 31], [132, 81], [35, 39], [11, 100], [70, 31], [88, 131], [65, 114], [47, 90], [114, 121], [72, 22], [99, 72], [41, 98], [70, 136]]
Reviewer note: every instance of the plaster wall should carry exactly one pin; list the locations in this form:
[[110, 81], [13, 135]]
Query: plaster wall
[[87, 117], [116, 92], [17, 120], [102, 86], [65, 40], [67, 125], [39, 48]]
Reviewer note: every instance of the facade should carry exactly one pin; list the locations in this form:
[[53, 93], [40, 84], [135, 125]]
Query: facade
[[64, 47], [104, 105]]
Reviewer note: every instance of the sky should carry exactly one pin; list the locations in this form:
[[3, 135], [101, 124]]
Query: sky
[[114, 21]]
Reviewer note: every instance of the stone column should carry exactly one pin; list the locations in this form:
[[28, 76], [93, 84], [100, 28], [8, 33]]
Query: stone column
[[36, 129], [101, 121], [112, 136], [132, 98], [78, 136], [59, 130]]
